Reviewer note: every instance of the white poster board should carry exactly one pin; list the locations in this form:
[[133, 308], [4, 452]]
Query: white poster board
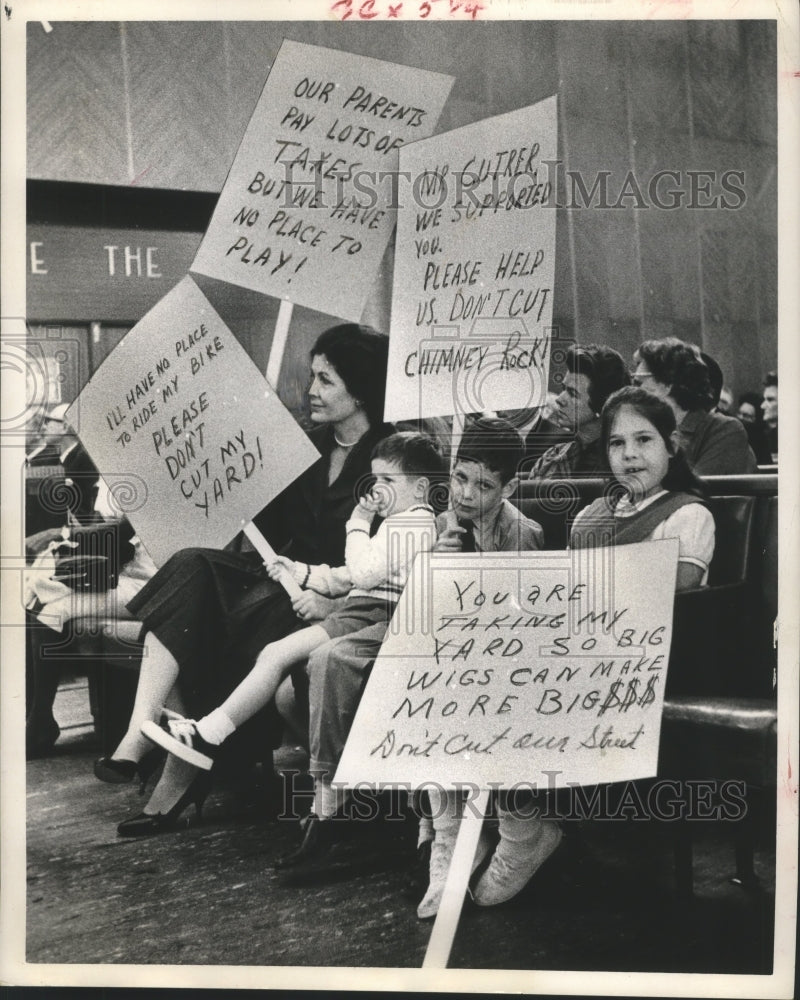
[[191, 439], [310, 200], [537, 667], [472, 298]]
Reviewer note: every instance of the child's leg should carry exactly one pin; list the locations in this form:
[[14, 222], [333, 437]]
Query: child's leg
[[186, 738], [447, 807], [420, 805], [526, 842], [446, 810], [272, 665], [418, 875], [337, 672]]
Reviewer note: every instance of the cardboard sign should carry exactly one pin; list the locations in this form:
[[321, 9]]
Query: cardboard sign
[[472, 298], [544, 667], [310, 201], [190, 438]]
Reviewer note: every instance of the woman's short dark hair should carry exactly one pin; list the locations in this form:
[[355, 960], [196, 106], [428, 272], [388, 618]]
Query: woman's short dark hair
[[360, 356], [679, 478], [416, 454], [495, 443], [604, 367], [715, 377], [771, 379], [676, 364]]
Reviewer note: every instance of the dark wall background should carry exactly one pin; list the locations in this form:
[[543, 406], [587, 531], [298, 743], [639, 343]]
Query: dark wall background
[[161, 106]]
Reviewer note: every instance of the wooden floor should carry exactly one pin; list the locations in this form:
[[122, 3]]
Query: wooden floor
[[209, 895]]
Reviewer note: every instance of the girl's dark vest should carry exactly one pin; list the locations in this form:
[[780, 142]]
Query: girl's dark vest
[[598, 526]]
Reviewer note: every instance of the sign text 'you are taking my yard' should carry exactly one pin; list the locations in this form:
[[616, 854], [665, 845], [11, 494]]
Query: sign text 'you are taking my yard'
[[546, 668]]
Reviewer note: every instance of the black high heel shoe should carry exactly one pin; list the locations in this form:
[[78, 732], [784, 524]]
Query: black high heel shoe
[[116, 771], [319, 839], [147, 824]]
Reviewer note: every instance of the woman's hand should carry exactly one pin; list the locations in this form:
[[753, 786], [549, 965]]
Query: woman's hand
[[311, 606], [450, 540]]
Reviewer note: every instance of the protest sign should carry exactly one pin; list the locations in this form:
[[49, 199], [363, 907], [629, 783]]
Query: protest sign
[[542, 667], [474, 261], [191, 439], [310, 201]]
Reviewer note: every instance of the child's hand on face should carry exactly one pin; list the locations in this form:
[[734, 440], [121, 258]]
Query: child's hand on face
[[367, 507], [450, 540]]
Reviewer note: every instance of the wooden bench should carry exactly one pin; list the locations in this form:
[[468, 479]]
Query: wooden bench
[[720, 711]]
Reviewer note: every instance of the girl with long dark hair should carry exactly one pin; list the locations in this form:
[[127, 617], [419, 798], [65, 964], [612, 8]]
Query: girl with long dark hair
[[654, 495]]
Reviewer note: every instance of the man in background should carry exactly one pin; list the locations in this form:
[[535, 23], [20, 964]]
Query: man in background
[[61, 479], [769, 407], [593, 373]]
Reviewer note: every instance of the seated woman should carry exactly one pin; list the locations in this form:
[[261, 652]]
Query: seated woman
[[714, 445], [751, 415], [207, 614]]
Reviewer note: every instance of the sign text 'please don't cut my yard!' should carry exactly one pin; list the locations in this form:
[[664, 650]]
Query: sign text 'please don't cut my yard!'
[[179, 407]]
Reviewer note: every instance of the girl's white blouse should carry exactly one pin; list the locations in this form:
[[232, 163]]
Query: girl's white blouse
[[692, 525]]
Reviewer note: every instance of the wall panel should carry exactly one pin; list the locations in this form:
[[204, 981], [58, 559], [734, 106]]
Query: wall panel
[[165, 105], [176, 107], [77, 113]]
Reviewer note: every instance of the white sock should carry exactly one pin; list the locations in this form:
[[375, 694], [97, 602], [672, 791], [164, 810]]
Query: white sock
[[519, 829], [447, 809], [215, 727], [425, 832], [327, 799]]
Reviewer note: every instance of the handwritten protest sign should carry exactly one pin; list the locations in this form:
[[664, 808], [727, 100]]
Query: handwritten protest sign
[[545, 667], [473, 281], [179, 407], [310, 201]]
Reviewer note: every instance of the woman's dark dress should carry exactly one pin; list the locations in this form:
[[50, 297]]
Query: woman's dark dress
[[216, 610]]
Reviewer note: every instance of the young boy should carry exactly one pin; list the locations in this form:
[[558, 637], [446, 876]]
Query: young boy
[[376, 569], [484, 476], [480, 519]]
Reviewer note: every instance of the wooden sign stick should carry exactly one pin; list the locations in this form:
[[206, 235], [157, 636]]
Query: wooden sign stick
[[269, 555], [276, 352], [278, 346], [446, 923], [459, 422]]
